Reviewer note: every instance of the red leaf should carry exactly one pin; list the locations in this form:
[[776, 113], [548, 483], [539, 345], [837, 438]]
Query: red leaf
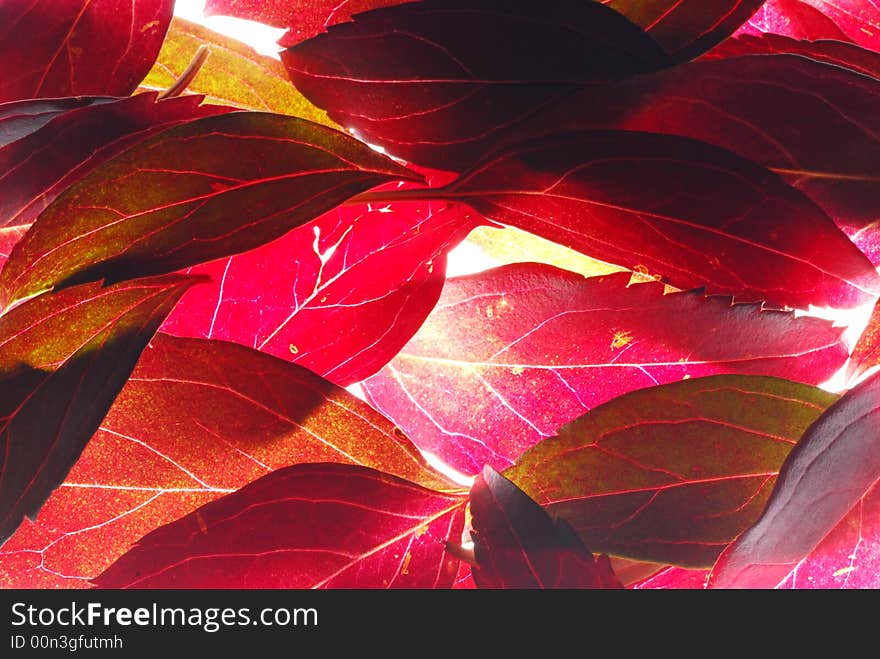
[[434, 82], [793, 18], [63, 359], [671, 474], [304, 18], [674, 578], [176, 199], [9, 236], [196, 420], [361, 281], [866, 353], [828, 473], [687, 28], [21, 118], [505, 342], [78, 48], [306, 526], [518, 545], [839, 53], [857, 20], [42, 164], [661, 203], [765, 108]]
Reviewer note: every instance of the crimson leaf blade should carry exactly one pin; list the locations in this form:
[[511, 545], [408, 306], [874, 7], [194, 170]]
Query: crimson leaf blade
[[764, 108], [175, 199], [78, 48], [671, 474], [660, 203], [21, 118], [38, 167], [829, 472], [508, 340], [444, 77], [373, 531], [687, 28], [56, 391], [517, 545]]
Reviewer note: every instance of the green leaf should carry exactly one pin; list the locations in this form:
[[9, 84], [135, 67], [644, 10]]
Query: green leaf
[[671, 474]]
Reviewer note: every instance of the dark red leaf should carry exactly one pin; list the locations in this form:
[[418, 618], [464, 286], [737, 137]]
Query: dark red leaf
[[306, 526], [434, 82], [765, 108], [176, 199], [196, 420], [21, 118], [839, 53], [41, 165], [792, 18], [79, 47], [304, 18], [662, 203], [518, 545], [63, 359], [360, 282], [671, 474], [503, 343], [828, 473], [856, 20], [687, 28]]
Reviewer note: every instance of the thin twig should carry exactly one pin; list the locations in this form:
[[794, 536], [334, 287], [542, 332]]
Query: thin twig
[[189, 73]]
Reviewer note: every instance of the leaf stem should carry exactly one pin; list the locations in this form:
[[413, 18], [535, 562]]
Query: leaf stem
[[189, 73]]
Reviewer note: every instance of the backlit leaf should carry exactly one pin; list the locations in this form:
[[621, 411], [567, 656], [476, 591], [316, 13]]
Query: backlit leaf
[[517, 545], [833, 467], [503, 343], [866, 353], [21, 118], [78, 47], [333, 526], [35, 169], [63, 359], [340, 296], [765, 108], [196, 420], [661, 204], [177, 199], [858, 20], [233, 74], [423, 81], [687, 28], [671, 474]]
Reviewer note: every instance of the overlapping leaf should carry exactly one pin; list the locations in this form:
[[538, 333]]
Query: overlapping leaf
[[763, 107], [340, 296], [233, 73], [196, 420], [671, 474], [35, 169], [304, 18], [687, 28], [526, 348], [439, 91], [833, 467], [97, 47], [858, 20], [21, 118], [866, 353], [829, 51], [177, 199], [793, 18], [332, 526], [517, 545], [661, 203], [63, 359]]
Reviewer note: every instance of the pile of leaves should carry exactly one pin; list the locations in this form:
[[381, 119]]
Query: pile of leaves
[[230, 355]]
